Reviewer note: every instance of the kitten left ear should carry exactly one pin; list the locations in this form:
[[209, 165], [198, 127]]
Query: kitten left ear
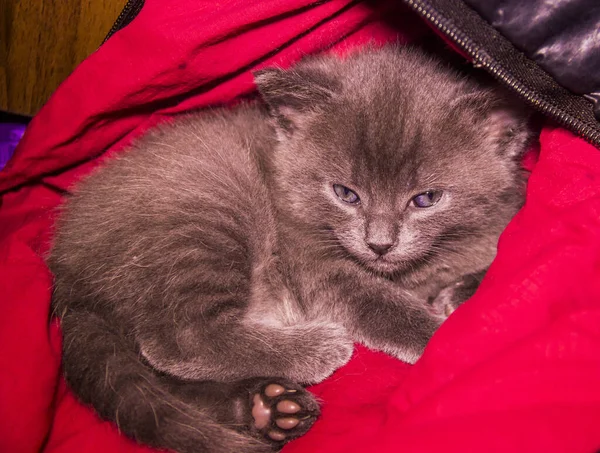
[[292, 93], [508, 125], [505, 123]]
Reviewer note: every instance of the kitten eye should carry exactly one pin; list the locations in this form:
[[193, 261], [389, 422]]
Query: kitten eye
[[427, 199], [345, 194]]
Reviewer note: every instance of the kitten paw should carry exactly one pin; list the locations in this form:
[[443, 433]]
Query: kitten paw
[[444, 303], [329, 348], [450, 297], [282, 411]]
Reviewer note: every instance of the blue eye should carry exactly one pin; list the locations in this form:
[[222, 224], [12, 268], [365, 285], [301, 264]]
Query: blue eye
[[427, 199], [345, 194]]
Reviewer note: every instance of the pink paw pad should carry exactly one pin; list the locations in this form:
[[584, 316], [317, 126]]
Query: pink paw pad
[[282, 413]]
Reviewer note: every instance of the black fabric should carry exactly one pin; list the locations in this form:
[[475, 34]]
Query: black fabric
[[472, 34], [563, 37]]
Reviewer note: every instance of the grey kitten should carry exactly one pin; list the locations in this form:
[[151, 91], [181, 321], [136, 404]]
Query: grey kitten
[[226, 260]]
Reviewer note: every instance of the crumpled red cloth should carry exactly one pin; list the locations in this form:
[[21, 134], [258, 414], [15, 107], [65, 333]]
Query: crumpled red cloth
[[517, 368]]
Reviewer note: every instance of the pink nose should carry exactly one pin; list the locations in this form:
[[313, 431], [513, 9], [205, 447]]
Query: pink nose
[[380, 248]]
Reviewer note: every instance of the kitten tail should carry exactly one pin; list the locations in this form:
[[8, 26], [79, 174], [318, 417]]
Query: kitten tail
[[102, 369]]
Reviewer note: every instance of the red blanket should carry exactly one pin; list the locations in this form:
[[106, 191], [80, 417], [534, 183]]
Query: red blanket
[[517, 368]]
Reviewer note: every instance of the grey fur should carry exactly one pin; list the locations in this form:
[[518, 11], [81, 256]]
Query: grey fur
[[214, 257]]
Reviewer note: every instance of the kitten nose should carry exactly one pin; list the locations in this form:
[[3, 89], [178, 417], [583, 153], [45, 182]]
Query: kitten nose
[[381, 248]]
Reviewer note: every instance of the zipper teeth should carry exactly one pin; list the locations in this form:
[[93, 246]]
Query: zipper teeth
[[117, 24], [482, 59]]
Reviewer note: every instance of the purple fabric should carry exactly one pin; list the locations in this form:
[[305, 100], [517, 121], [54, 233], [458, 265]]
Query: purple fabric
[[10, 135]]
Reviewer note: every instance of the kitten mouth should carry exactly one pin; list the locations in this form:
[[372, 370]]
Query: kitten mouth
[[388, 265], [383, 265]]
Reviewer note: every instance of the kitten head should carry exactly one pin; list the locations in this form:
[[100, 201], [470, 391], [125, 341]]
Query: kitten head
[[393, 160]]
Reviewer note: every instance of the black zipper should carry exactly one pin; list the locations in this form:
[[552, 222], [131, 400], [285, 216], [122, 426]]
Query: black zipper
[[481, 58], [128, 13]]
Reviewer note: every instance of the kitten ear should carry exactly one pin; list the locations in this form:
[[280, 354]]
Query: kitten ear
[[505, 123], [509, 127], [290, 94]]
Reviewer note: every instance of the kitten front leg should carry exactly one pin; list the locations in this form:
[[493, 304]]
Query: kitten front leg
[[396, 325], [229, 351], [248, 375]]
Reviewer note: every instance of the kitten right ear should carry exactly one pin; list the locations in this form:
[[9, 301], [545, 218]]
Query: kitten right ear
[[294, 92]]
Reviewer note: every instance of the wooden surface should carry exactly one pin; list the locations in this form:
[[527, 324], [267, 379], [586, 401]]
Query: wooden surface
[[42, 41]]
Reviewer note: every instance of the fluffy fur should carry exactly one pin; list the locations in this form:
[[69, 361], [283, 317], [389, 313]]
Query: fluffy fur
[[214, 257]]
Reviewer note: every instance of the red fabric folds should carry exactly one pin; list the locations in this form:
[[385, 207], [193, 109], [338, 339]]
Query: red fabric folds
[[517, 368]]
